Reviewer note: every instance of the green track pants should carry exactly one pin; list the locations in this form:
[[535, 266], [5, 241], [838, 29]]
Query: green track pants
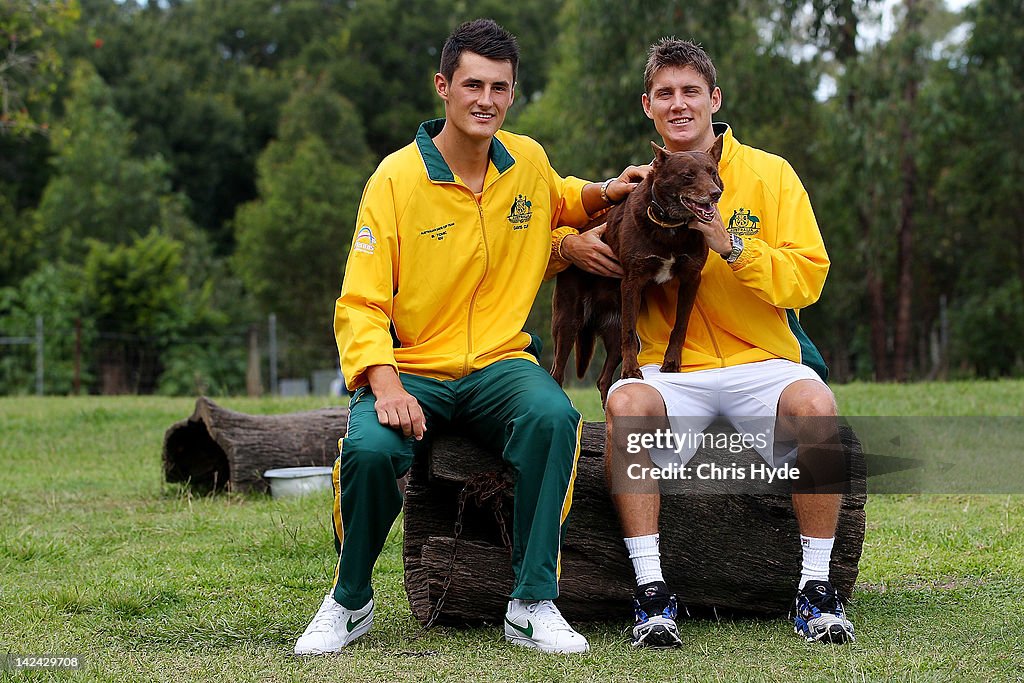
[[512, 403]]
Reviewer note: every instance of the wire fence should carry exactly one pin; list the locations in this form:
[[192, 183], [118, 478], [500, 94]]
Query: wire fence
[[251, 359], [39, 342], [65, 357]]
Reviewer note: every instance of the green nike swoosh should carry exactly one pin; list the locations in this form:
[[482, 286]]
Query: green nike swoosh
[[528, 631], [352, 624]]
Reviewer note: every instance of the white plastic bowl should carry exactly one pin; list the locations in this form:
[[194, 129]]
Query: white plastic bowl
[[288, 482]]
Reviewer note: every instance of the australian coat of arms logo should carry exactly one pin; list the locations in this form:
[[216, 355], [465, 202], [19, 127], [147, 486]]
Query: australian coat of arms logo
[[744, 223], [520, 213]]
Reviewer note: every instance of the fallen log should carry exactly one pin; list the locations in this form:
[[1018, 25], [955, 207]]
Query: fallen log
[[219, 449], [722, 553]]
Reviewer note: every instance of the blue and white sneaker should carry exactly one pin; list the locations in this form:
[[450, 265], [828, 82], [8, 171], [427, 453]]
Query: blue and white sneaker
[[820, 615], [656, 610]]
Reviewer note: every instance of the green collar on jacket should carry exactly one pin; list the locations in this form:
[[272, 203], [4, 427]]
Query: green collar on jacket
[[730, 144], [437, 167]]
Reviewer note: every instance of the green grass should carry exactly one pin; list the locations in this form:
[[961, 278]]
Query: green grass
[[99, 558]]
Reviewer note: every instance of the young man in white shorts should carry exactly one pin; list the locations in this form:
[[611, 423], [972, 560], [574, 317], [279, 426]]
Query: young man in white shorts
[[746, 395], [745, 357]]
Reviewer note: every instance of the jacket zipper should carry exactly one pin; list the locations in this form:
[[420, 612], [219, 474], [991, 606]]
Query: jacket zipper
[[711, 334], [472, 301]]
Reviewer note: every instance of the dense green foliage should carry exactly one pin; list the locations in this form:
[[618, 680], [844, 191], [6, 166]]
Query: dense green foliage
[[310, 180], [243, 132], [97, 189]]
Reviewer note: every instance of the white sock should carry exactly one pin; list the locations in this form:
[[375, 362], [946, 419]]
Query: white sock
[[817, 558], [643, 551]]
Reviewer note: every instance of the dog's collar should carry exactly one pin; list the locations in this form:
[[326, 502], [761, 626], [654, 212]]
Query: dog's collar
[[658, 221], [658, 215]]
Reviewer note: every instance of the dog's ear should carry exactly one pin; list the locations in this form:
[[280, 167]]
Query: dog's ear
[[716, 149], [659, 152]]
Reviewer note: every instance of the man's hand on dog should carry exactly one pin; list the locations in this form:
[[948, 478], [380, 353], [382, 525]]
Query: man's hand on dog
[[715, 234], [396, 407], [589, 252], [630, 177]]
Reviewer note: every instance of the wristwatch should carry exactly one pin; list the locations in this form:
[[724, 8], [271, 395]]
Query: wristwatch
[[604, 192], [737, 249]]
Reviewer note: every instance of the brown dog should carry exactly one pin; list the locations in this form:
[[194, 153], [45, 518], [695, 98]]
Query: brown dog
[[650, 235]]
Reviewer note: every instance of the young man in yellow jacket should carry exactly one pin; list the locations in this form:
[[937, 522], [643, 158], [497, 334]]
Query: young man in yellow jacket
[[745, 355], [452, 240]]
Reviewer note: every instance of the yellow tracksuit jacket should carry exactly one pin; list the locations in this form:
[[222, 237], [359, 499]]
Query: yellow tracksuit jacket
[[438, 283], [748, 311]]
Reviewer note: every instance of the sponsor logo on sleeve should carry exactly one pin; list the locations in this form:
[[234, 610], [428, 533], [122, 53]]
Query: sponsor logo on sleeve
[[365, 241]]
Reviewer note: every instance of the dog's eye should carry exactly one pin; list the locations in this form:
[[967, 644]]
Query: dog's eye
[[687, 175]]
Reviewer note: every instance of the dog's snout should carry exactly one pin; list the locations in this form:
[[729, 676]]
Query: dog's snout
[[715, 196]]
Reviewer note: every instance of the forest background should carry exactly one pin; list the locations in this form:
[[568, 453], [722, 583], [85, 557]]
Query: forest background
[[172, 173]]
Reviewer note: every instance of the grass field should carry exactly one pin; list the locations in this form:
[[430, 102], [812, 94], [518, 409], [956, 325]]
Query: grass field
[[99, 558]]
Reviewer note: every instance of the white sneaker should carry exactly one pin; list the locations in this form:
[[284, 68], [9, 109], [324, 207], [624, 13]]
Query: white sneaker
[[333, 627], [539, 625]]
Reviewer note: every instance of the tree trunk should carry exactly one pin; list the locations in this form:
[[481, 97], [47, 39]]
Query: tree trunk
[[114, 371], [876, 301], [253, 380], [908, 166]]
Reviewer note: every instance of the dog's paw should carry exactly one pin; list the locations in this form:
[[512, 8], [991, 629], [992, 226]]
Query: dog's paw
[[631, 372], [670, 366]]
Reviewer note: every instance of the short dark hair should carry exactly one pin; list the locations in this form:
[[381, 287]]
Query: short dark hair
[[671, 51], [483, 37]]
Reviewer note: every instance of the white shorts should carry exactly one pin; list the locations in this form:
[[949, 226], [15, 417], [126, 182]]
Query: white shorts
[[747, 395]]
